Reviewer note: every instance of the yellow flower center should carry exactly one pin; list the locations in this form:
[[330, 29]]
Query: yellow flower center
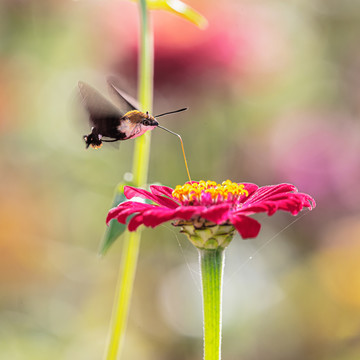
[[209, 191]]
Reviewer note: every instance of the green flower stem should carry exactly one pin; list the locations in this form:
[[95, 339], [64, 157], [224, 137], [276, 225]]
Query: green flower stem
[[211, 265], [131, 243]]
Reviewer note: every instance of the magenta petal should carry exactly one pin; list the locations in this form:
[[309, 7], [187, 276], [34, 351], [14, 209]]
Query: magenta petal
[[291, 202], [155, 217], [295, 203], [257, 208], [126, 207], [246, 226], [307, 201], [122, 217], [164, 201], [162, 190], [187, 212], [265, 192], [276, 197], [250, 188], [216, 213], [131, 192], [135, 222]]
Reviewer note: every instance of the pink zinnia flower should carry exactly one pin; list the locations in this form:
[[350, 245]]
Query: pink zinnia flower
[[209, 212]]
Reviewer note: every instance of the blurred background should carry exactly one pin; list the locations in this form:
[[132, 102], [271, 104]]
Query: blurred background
[[273, 89]]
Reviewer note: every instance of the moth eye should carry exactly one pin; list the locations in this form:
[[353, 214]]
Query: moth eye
[[146, 122]]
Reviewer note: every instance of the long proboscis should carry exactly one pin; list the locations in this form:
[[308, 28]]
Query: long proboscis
[[182, 147], [171, 112]]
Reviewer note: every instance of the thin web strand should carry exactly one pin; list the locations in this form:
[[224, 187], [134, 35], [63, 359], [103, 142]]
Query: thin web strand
[[191, 271], [257, 251]]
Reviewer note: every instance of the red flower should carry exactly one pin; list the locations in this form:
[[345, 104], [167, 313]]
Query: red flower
[[205, 205]]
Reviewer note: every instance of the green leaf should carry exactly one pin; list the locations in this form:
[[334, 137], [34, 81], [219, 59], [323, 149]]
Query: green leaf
[[115, 229]]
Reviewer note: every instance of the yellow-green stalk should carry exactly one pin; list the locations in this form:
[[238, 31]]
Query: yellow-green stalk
[[131, 243]]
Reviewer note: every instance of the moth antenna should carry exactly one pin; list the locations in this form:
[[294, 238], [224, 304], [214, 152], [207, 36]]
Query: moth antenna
[[182, 146], [171, 112]]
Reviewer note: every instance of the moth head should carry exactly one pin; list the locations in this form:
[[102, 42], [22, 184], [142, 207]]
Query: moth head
[[149, 120]]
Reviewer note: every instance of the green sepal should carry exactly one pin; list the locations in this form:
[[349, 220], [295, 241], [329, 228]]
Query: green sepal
[[115, 229], [210, 237]]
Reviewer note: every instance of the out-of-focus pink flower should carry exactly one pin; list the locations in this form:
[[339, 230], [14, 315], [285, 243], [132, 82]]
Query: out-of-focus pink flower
[[243, 44], [208, 205], [323, 147]]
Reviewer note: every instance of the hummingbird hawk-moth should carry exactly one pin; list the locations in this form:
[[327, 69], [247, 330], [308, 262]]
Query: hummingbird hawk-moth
[[110, 123]]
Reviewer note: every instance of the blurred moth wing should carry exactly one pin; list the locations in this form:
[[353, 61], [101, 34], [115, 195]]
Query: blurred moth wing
[[104, 117], [121, 99], [96, 104]]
